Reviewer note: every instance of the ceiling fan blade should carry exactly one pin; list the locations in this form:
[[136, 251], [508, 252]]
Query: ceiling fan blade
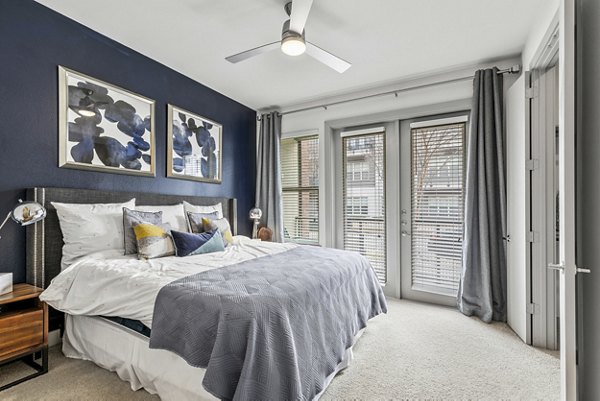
[[327, 58], [236, 58], [300, 10]]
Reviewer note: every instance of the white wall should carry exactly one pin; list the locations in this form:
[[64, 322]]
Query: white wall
[[315, 119]]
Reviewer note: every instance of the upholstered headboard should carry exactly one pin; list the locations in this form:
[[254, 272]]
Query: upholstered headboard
[[45, 241]]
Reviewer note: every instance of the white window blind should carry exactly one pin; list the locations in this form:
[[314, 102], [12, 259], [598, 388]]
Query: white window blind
[[364, 198], [437, 206], [300, 186]]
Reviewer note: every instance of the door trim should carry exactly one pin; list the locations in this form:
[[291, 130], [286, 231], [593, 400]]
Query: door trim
[[543, 321], [567, 177]]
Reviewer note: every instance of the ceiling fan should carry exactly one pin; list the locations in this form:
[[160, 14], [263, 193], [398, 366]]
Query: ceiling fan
[[293, 42]]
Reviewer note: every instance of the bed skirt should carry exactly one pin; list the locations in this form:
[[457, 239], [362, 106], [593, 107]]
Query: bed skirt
[[126, 352]]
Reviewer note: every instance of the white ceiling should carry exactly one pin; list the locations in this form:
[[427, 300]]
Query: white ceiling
[[385, 40]]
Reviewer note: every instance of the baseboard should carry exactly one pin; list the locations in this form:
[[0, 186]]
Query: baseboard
[[54, 338]]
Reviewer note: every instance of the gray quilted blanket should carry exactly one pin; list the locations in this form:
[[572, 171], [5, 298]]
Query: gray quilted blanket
[[272, 328]]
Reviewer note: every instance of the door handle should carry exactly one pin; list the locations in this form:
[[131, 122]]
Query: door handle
[[555, 266], [507, 238], [561, 267], [405, 233]]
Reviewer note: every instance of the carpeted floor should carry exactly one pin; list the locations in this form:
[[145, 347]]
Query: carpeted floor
[[415, 352]]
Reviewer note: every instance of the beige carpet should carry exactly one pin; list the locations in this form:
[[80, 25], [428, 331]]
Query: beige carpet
[[415, 352]]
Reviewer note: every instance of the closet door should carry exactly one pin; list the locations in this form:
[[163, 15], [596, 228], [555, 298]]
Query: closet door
[[517, 216]]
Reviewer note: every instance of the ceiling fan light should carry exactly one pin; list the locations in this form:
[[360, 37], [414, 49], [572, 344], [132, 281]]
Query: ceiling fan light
[[293, 45]]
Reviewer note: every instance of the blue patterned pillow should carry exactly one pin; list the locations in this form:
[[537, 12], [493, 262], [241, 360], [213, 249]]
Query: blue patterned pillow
[[187, 244]]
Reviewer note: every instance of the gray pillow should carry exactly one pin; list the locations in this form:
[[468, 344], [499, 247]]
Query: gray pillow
[[195, 220], [134, 217]]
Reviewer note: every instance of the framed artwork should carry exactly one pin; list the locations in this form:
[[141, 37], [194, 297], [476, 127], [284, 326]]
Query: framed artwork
[[194, 146], [103, 127]]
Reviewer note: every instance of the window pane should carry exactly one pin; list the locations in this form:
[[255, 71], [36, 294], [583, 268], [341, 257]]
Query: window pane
[[437, 206], [300, 182], [301, 216], [364, 198]]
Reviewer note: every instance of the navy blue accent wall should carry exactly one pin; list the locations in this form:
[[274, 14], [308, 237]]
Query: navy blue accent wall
[[34, 40]]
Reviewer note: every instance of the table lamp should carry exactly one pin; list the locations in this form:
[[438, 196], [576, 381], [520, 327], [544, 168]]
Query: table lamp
[[24, 213], [255, 214]]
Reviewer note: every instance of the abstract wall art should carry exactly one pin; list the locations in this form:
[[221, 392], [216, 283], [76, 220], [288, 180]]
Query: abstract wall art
[[194, 146], [104, 127]]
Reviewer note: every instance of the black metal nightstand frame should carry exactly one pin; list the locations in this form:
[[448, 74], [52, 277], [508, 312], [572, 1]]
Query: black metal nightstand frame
[[30, 360]]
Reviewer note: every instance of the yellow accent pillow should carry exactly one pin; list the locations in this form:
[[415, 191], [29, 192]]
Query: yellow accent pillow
[[153, 241], [222, 225], [148, 230]]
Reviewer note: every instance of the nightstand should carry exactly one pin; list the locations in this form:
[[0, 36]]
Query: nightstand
[[24, 330]]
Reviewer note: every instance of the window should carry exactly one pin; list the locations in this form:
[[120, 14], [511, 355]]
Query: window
[[357, 205], [437, 206], [364, 197], [300, 185], [359, 171]]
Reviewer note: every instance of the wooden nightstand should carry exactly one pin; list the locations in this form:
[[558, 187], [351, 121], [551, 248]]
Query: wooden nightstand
[[23, 330]]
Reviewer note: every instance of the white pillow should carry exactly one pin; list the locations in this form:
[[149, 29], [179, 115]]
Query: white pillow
[[204, 209], [89, 228], [173, 215]]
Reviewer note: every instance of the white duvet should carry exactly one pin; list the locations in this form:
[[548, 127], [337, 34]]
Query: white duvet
[[110, 284]]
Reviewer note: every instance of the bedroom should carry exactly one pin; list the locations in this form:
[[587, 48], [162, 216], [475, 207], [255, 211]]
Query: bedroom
[[134, 104]]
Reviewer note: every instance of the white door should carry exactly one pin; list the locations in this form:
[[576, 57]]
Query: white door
[[566, 143], [517, 219]]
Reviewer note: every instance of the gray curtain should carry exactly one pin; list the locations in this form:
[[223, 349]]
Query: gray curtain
[[268, 175], [482, 289]]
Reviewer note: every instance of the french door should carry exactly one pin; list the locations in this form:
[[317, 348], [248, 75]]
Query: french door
[[432, 198]]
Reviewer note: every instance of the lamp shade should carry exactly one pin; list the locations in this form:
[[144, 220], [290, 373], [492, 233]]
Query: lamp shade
[[26, 213], [255, 214]]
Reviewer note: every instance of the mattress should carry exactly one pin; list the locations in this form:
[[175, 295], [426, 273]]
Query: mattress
[[124, 351]]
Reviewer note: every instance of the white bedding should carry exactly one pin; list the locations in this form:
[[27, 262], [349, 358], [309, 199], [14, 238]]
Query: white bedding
[[110, 284]]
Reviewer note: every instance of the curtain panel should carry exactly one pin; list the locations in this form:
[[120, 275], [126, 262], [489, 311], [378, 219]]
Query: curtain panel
[[482, 290], [268, 175]]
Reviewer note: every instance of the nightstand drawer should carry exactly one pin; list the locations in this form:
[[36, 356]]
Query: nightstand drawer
[[21, 330]]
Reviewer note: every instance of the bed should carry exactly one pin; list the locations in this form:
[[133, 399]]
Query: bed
[[234, 324]]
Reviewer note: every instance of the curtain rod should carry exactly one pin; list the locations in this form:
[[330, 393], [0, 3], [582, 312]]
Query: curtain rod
[[515, 69]]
